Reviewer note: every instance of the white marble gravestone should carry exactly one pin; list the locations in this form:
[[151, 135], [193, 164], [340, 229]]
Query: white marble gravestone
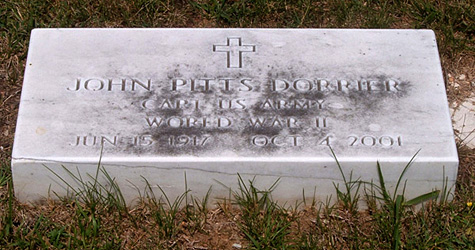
[[264, 103]]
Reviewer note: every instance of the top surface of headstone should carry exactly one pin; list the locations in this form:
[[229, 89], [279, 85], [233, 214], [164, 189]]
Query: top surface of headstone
[[230, 94]]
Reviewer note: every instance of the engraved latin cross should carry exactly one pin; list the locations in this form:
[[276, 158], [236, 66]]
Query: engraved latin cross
[[234, 49]]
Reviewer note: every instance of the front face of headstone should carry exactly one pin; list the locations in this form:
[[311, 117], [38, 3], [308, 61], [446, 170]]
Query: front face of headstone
[[215, 102]]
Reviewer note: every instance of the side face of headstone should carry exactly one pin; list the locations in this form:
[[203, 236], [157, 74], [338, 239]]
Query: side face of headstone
[[159, 103]]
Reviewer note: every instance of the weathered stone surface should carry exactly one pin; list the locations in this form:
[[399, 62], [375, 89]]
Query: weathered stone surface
[[464, 122], [216, 102]]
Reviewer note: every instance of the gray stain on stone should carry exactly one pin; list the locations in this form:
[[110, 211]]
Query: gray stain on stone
[[353, 105]]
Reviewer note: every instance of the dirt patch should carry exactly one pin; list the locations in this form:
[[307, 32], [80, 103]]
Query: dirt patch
[[460, 78], [9, 101]]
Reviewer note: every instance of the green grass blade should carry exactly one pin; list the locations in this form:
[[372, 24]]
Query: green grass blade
[[382, 184], [398, 210], [422, 198], [404, 171], [98, 165], [338, 164], [76, 192]]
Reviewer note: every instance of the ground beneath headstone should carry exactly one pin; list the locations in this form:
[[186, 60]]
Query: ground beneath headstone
[[460, 81], [464, 122]]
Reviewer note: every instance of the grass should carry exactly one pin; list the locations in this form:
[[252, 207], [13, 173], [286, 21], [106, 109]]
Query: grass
[[92, 219], [7, 209], [395, 206], [264, 223], [91, 190], [350, 196], [95, 216], [165, 213]]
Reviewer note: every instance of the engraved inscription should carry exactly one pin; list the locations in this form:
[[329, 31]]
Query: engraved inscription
[[112, 140], [234, 49], [211, 84], [276, 104], [321, 122], [275, 122], [269, 114], [335, 85], [369, 140], [95, 140], [279, 141], [166, 104], [188, 122], [185, 140], [123, 84], [274, 111]]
